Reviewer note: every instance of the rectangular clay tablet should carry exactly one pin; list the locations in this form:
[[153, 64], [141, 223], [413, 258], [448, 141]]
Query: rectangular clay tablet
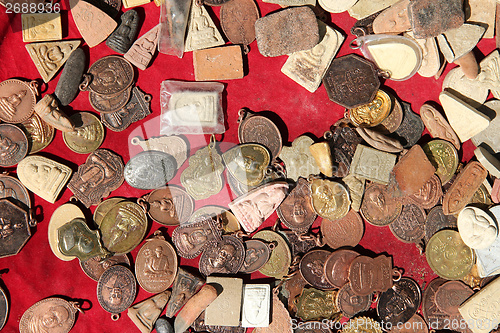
[[218, 63]]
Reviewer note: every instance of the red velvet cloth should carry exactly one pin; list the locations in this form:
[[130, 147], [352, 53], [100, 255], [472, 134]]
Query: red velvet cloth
[[35, 273]]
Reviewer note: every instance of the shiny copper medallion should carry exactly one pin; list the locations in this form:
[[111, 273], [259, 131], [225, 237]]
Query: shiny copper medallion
[[337, 265], [351, 304], [109, 103], [185, 286], [17, 100], [94, 180], [367, 275], [451, 295], [50, 315], [399, 303], [409, 226], [191, 239], [346, 231], [296, 211], [431, 313], [257, 254], [116, 289], [170, 205], [225, 258], [13, 145], [156, 264], [94, 267], [109, 75], [137, 108], [312, 269], [378, 207]]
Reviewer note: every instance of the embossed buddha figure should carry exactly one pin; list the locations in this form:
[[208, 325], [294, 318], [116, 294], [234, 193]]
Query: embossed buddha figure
[[156, 263], [143, 51], [262, 205], [48, 110], [490, 72], [150, 309], [327, 198], [51, 56], [203, 32], [9, 104], [316, 267], [55, 317], [221, 258], [195, 238], [114, 289], [252, 255], [7, 148], [44, 177], [378, 201], [317, 306], [123, 37], [165, 206]]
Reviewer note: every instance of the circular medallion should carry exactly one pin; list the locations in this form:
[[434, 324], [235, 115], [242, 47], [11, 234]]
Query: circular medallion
[[351, 304], [123, 227], [48, 315], [409, 226], [378, 207], [62, 215], [94, 267], [373, 113], [311, 268], [111, 75], [225, 258], [450, 295], [399, 303], [430, 311], [17, 101], [170, 205], [346, 231], [337, 267], [150, 169], [229, 222], [39, 133], [330, 199], [279, 262], [156, 265], [260, 129], [13, 189], [88, 134], [444, 157], [104, 207], [13, 145], [257, 254], [448, 255], [436, 220], [116, 289], [110, 103]]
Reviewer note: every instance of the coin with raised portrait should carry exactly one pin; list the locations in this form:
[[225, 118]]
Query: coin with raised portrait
[[170, 205], [110, 103], [229, 222], [191, 239], [315, 304], [88, 134], [110, 75], [13, 145], [104, 207], [337, 266], [311, 268], [444, 157], [51, 315], [95, 266], [257, 254], [116, 290], [297, 211], [330, 199], [225, 258], [351, 304], [372, 113], [16, 227], [247, 163], [378, 207], [405, 296], [279, 262]]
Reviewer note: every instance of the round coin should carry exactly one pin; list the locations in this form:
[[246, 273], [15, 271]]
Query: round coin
[[337, 267], [257, 254], [430, 194], [260, 129], [373, 113], [170, 205], [279, 262], [237, 29], [330, 199], [430, 311], [416, 324], [346, 231], [103, 208], [12, 188], [39, 133], [311, 268], [116, 289], [225, 258], [150, 169], [94, 267], [229, 222], [450, 295], [43, 315], [444, 157], [405, 296], [17, 101], [123, 227], [13, 145], [156, 265], [351, 304], [110, 103], [448, 256], [436, 220], [409, 226], [111, 75], [88, 134], [378, 207]]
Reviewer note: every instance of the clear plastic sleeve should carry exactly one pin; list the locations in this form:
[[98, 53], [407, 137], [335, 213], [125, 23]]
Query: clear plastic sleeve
[[174, 17]]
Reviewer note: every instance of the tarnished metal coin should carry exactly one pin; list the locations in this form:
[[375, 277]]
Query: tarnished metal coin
[[123, 227], [88, 134], [372, 113], [411, 128], [170, 205], [225, 258], [247, 163], [116, 289], [436, 221], [15, 228], [279, 262], [450, 295], [254, 128], [409, 226], [444, 157], [110, 103], [430, 311], [237, 19], [103, 208], [12, 189], [51, 315], [156, 265], [311, 268], [399, 303], [94, 267], [229, 222], [351, 304], [448, 255], [367, 275], [17, 100], [137, 108], [101, 174], [4, 308], [191, 239], [296, 211], [13, 145], [39, 133], [173, 145], [110, 75], [337, 265], [149, 170], [330, 199], [346, 231], [393, 120], [378, 207], [257, 254], [429, 195]]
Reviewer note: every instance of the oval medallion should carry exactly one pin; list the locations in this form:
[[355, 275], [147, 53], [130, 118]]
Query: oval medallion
[[88, 134], [255, 128], [51, 315], [170, 205], [330, 199], [116, 289], [111, 75], [237, 18], [296, 211], [257, 254], [224, 258], [4, 308], [149, 170], [13, 145], [312, 269], [279, 262], [94, 267]]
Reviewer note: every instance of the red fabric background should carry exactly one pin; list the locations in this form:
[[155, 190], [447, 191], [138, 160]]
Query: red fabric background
[[35, 273]]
